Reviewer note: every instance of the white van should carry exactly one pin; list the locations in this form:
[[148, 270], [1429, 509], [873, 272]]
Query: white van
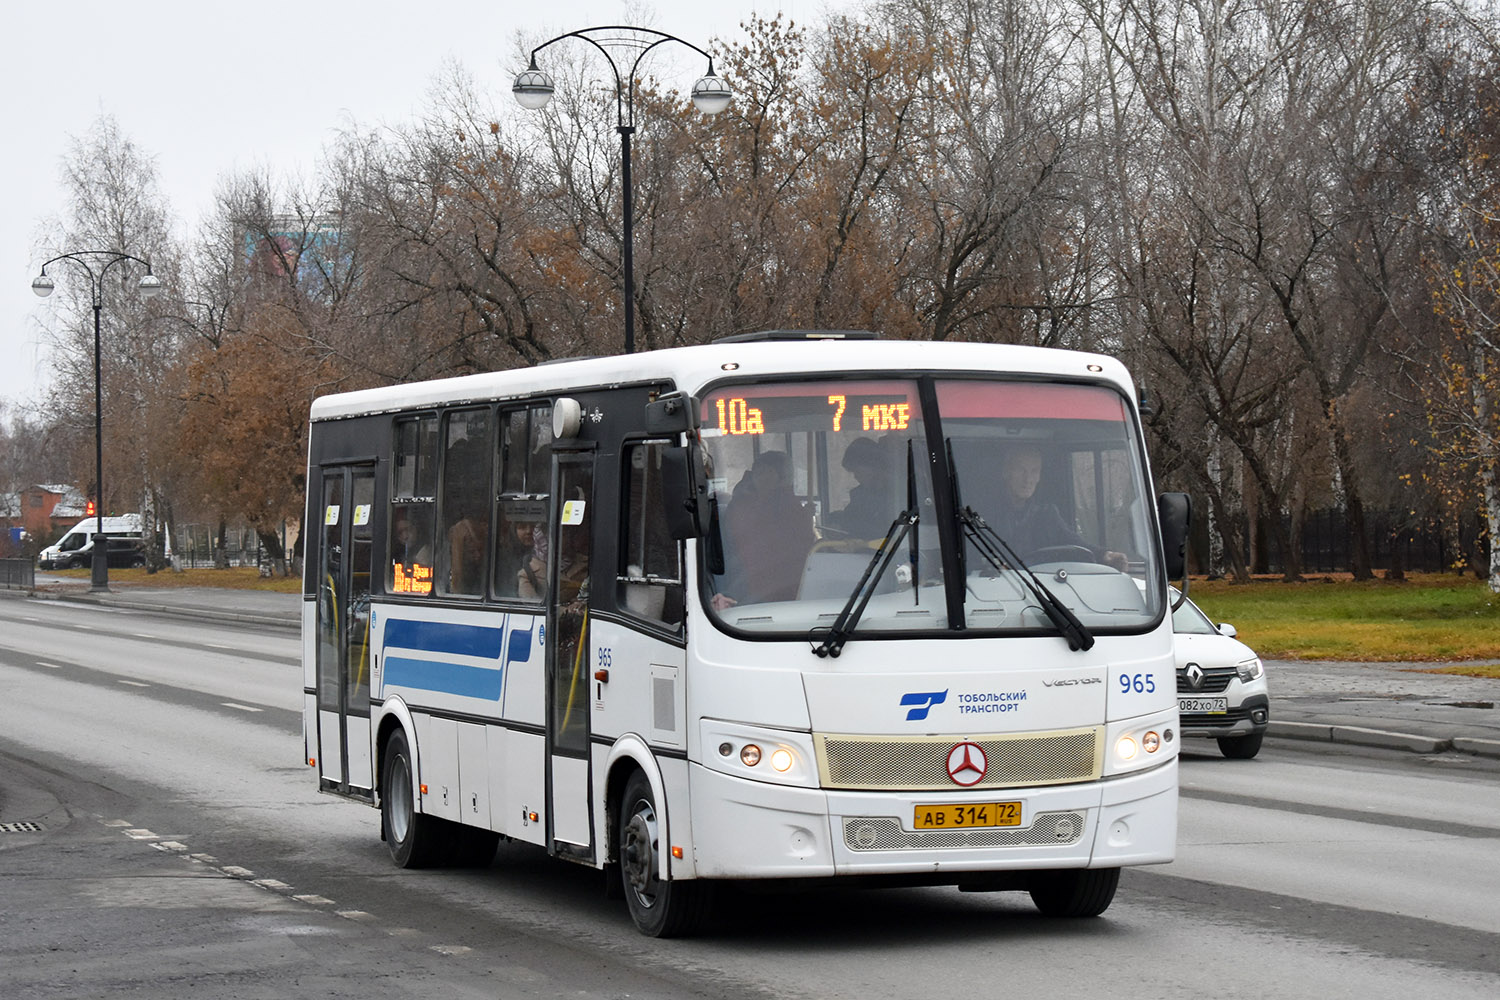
[[75, 549]]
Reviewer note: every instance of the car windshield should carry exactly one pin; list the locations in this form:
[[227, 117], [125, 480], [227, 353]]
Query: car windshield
[[810, 479], [1189, 620]]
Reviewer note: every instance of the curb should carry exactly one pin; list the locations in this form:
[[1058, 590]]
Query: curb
[[1380, 738]]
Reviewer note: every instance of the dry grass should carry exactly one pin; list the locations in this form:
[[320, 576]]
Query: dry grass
[[1432, 618], [238, 578]]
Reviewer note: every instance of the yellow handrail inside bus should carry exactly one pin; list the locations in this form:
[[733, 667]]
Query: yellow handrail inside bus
[[583, 635]]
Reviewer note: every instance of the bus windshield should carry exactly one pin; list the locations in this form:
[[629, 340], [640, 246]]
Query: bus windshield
[[819, 485]]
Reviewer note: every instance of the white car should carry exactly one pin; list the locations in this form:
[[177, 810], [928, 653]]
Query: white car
[[1221, 684]]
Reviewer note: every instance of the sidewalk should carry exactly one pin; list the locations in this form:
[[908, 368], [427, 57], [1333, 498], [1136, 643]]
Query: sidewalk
[[1395, 705], [1391, 705]]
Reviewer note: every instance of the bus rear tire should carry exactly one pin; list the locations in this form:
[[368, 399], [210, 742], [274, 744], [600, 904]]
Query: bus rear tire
[[659, 907], [471, 847], [412, 837], [1074, 892]]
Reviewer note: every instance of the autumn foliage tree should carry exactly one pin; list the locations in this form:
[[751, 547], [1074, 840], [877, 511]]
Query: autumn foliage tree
[[1245, 201]]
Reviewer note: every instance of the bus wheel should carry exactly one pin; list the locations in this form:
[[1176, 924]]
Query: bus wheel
[[412, 837], [472, 847], [1241, 747], [1074, 892], [660, 908]]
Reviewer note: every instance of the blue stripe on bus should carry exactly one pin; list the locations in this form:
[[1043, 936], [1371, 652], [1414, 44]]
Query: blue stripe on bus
[[520, 646], [444, 637], [449, 678]]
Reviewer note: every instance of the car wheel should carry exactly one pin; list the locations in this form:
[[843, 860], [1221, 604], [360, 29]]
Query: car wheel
[[660, 908], [414, 838], [1074, 892], [1241, 747]]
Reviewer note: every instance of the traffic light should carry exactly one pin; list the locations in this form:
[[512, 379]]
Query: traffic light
[[89, 509]]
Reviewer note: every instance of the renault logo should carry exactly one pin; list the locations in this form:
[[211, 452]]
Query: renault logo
[[966, 764], [1194, 676]]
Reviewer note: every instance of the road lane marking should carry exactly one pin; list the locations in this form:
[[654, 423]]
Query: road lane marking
[[242, 708], [137, 684], [143, 635], [235, 871], [354, 914], [49, 666], [313, 899], [141, 834]]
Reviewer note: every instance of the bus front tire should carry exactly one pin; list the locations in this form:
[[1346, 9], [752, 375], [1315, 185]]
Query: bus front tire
[[413, 838], [1074, 892], [659, 907]]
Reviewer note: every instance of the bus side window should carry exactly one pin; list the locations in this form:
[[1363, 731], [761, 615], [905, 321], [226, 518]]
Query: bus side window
[[465, 510], [413, 497], [650, 575], [523, 530]]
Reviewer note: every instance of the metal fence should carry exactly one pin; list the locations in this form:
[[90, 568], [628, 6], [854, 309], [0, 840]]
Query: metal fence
[[17, 574], [197, 546], [1394, 542]]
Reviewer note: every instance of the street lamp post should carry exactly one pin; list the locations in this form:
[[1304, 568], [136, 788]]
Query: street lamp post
[[149, 286], [533, 89]]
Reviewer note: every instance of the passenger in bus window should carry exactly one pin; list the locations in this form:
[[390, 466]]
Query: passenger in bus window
[[521, 560], [869, 512], [1027, 523], [409, 547], [767, 535], [466, 541]]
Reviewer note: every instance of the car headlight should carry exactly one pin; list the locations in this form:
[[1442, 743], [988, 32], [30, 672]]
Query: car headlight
[[1250, 670]]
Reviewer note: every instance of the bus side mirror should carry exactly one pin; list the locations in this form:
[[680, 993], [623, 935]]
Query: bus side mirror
[[1175, 512], [684, 491], [671, 413]]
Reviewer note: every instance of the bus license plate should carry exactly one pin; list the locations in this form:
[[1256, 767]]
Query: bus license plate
[[1203, 706], [963, 817]]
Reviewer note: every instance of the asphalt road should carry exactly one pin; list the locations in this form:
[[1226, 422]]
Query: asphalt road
[[161, 838]]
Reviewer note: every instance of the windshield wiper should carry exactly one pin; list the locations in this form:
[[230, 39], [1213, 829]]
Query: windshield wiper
[[904, 524], [997, 551]]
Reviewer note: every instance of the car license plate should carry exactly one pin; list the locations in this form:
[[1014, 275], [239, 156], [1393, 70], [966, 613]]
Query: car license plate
[[967, 816], [1203, 706]]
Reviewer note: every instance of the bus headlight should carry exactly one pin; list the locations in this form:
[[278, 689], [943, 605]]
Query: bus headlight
[[760, 754], [1140, 744]]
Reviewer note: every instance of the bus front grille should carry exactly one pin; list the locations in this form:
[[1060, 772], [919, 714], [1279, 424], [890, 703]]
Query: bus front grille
[[920, 763]]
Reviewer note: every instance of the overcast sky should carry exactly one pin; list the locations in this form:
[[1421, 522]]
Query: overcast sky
[[209, 89]]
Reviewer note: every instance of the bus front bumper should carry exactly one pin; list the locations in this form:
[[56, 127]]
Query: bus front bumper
[[747, 829]]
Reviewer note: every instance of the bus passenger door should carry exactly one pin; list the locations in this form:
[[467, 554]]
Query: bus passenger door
[[343, 665], [569, 662]]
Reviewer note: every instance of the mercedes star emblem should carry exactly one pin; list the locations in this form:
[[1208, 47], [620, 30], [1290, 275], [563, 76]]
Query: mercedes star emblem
[[966, 764]]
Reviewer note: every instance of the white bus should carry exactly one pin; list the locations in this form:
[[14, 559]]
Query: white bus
[[787, 606]]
